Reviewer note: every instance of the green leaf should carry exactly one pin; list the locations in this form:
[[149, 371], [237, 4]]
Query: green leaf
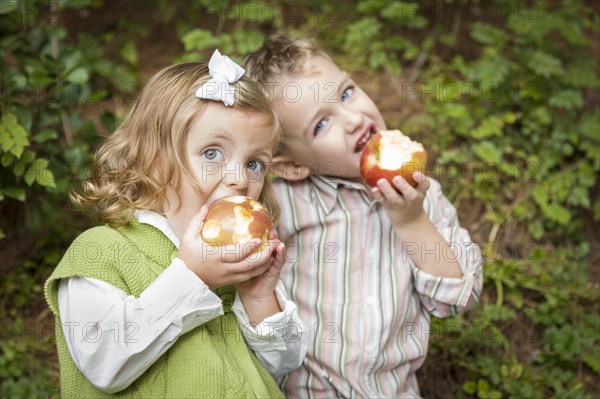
[[498, 312], [37, 73], [488, 34], [558, 213], [29, 177], [14, 192], [7, 159], [489, 127], [13, 137], [542, 115], [490, 70], [404, 14], [41, 174], [129, 52], [78, 75], [542, 63], [71, 60], [470, 387], [24, 115], [45, 135], [57, 32], [199, 39], [568, 99], [370, 6], [8, 6], [247, 40], [28, 157], [590, 125], [582, 73], [573, 32], [361, 33], [592, 359], [488, 152], [2, 235]]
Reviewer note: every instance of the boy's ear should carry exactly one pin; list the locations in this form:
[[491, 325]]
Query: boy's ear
[[284, 167]]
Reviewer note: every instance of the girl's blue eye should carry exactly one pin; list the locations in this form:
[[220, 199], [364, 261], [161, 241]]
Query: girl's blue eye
[[212, 154], [320, 126], [256, 166], [347, 93]]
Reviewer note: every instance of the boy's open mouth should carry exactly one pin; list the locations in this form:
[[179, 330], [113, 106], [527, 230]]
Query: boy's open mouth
[[362, 141]]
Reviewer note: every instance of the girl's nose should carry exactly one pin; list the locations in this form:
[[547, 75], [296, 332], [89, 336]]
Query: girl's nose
[[234, 176]]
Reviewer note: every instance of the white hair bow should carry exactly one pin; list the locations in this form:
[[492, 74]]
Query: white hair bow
[[223, 71]]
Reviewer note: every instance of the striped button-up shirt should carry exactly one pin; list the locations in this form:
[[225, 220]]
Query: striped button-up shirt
[[366, 304]]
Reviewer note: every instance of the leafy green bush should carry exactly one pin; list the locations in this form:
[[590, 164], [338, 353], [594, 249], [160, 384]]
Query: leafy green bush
[[49, 77], [504, 95]]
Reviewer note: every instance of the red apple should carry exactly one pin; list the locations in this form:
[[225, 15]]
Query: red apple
[[390, 153], [236, 219]]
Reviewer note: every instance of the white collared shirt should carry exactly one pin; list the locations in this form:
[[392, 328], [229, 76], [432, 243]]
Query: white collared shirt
[[113, 338]]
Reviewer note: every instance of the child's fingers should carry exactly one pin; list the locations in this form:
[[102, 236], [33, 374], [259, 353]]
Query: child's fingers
[[422, 182], [268, 262], [408, 192], [234, 253], [279, 253], [388, 192], [243, 257], [377, 193], [273, 234], [192, 231], [276, 263]]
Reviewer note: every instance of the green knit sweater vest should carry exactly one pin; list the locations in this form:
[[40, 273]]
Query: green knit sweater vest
[[211, 361]]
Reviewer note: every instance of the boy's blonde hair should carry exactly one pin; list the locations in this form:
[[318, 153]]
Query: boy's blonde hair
[[146, 155], [279, 54]]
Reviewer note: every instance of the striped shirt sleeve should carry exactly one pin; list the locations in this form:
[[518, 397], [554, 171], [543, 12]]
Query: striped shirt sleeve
[[444, 296]]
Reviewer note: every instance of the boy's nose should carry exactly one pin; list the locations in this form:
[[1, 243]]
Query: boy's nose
[[353, 121]]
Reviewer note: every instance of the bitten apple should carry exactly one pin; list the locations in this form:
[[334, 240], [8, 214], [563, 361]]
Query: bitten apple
[[390, 153], [236, 219]]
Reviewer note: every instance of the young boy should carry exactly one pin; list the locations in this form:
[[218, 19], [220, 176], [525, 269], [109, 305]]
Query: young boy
[[366, 266]]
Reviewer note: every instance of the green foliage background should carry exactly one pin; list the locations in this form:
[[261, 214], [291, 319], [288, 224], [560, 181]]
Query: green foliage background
[[505, 95]]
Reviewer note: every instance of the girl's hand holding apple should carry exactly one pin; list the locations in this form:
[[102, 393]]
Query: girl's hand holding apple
[[229, 243]]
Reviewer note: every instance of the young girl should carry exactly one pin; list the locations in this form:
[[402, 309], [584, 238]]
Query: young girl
[[143, 307]]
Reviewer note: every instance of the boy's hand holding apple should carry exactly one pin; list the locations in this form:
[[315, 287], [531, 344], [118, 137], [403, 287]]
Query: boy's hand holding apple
[[392, 164]]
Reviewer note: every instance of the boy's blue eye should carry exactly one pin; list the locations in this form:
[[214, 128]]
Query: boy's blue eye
[[256, 166], [212, 154], [320, 125], [347, 93]]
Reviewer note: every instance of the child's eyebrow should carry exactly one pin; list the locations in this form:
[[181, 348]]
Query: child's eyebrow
[[212, 138], [223, 135], [267, 153]]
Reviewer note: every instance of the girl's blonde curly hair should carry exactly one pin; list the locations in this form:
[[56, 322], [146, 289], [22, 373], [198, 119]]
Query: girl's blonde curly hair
[[146, 155]]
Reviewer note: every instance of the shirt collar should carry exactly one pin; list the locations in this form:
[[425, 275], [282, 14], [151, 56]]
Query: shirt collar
[[158, 221], [327, 189]]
